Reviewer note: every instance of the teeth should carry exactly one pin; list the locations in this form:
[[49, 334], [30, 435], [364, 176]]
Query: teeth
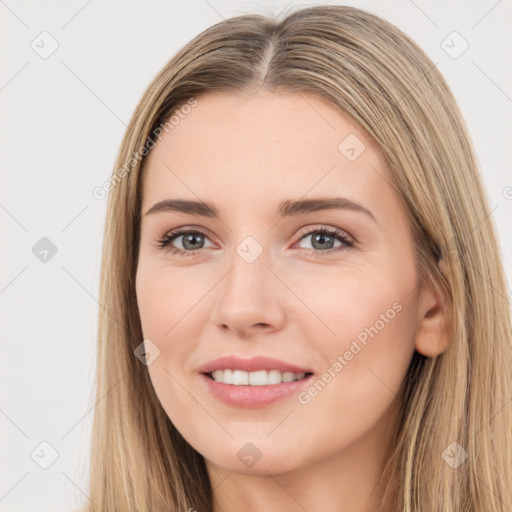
[[259, 378], [240, 378]]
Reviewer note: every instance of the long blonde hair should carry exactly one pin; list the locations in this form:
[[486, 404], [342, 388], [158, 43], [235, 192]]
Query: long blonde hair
[[375, 74]]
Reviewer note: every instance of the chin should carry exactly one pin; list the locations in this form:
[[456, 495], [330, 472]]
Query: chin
[[258, 456], [270, 463]]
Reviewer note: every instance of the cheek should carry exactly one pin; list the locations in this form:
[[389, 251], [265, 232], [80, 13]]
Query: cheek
[[167, 314], [367, 345], [165, 297]]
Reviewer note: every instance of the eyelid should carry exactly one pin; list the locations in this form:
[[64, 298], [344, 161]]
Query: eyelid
[[302, 232], [308, 230]]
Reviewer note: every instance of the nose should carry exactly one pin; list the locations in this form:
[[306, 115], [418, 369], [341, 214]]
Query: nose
[[249, 299]]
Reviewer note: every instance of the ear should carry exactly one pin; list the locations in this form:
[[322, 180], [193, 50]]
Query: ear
[[433, 326]]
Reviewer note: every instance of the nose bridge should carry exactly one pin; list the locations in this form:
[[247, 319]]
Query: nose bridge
[[248, 278], [249, 294]]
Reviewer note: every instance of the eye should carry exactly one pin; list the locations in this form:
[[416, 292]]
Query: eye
[[192, 241], [323, 240]]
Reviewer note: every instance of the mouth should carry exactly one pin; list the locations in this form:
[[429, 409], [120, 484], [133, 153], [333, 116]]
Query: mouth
[[255, 378], [254, 390], [254, 382]]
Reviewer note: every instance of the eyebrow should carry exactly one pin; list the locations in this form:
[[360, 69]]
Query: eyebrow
[[285, 209]]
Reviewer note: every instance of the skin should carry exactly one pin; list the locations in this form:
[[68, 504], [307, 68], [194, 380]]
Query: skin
[[247, 153]]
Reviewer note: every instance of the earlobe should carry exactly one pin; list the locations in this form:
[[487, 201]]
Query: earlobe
[[433, 330], [430, 344]]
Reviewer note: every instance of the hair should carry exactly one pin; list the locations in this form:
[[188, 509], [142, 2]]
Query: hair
[[376, 75]]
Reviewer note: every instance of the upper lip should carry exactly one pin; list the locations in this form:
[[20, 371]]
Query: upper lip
[[251, 365]]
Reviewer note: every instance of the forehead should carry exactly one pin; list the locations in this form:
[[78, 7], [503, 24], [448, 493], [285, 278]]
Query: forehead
[[254, 147]]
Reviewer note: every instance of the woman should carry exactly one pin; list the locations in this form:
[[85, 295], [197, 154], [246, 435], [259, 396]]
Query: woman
[[303, 300]]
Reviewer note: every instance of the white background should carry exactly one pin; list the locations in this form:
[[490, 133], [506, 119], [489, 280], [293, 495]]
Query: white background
[[62, 122]]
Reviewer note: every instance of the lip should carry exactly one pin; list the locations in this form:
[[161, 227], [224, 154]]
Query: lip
[[252, 397], [251, 365]]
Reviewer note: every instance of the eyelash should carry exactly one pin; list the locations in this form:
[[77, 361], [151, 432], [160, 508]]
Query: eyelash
[[346, 242]]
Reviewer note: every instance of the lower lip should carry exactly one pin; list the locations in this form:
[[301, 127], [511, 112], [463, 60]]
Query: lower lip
[[253, 397]]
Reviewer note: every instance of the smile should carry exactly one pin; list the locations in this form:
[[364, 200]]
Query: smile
[[241, 394], [257, 378]]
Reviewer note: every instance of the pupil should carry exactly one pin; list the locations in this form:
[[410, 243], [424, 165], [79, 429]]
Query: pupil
[[322, 238], [189, 238]]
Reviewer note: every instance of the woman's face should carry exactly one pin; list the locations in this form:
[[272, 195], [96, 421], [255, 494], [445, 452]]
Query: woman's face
[[256, 277]]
